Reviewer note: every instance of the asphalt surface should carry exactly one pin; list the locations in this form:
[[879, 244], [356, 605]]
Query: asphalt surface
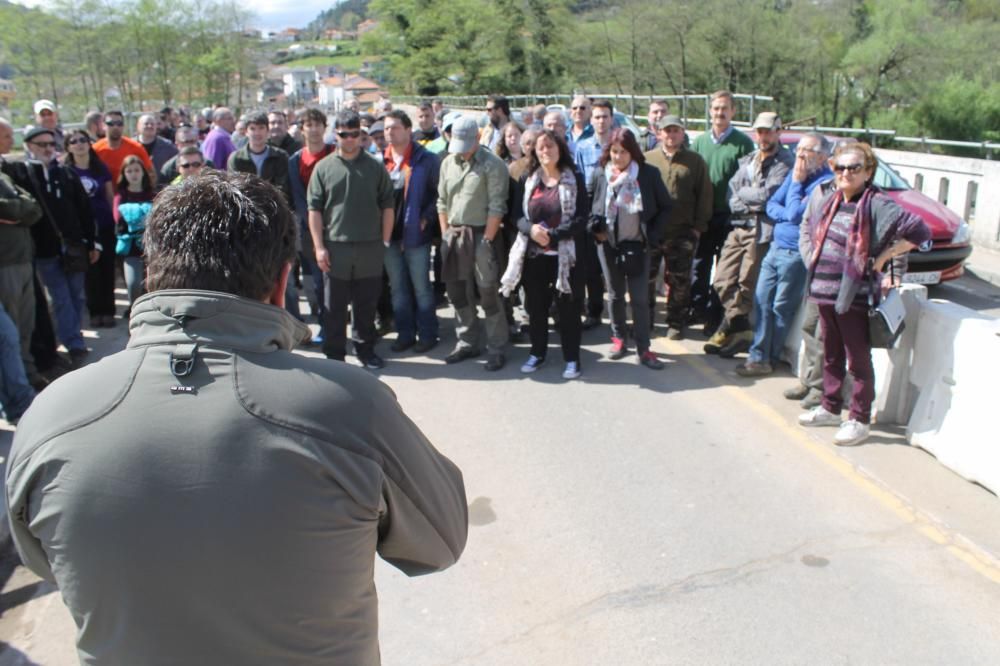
[[674, 517]]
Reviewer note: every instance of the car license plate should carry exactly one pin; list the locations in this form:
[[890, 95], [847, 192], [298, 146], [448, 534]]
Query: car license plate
[[927, 277]]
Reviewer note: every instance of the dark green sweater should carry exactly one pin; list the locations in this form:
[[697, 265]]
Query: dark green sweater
[[723, 161]]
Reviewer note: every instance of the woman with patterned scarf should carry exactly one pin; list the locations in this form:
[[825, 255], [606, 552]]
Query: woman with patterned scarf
[[852, 235], [628, 218], [543, 257]]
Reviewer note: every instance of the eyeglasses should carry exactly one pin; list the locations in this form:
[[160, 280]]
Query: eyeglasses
[[190, 165], [352, 134], [43, 144], [114, 123], [74, 142], [849, 168]]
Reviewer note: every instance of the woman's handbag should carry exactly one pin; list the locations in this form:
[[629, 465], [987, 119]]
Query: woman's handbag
[[887, 320], [75, 257]]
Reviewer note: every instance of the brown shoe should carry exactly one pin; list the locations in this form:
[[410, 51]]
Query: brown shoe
[[752, 369]]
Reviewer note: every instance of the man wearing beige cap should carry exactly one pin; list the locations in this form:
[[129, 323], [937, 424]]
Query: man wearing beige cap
[[759, 176], [472, 200], [47, 116], [686, 176]]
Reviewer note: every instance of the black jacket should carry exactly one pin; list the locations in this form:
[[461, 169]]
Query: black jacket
[[64, 201], [655, 204]]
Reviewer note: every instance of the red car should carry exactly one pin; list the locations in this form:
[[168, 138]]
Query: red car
[[951, 236]]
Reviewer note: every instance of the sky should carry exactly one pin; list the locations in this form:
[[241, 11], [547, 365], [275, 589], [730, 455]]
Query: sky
[[272, 15]]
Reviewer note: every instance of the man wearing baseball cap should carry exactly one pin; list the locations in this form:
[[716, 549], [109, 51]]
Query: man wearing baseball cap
[[47, 116], [472, 200], [439, 145], [759, 175], [686, 176]]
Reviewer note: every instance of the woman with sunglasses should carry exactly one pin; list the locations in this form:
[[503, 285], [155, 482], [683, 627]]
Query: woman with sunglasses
[[96, 180], [851, 235]]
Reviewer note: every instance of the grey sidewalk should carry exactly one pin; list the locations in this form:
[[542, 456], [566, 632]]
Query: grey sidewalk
[[984, 263]]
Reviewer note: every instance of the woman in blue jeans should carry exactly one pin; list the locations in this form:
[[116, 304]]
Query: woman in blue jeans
[[782, 278]]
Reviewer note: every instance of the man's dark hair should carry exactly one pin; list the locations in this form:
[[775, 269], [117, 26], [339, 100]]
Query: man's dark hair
[[426, 106], [367, 119], [258, 118], [347, 118], [312, 115], [401, 116], [604, 104], [500, 102], [114, 112], [190, 150], [165, 111], [228, 232]]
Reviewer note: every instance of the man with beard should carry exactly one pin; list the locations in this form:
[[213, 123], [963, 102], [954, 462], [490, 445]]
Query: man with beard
[[759, 176]]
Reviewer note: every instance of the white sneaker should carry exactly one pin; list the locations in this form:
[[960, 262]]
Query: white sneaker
[[818, 416], [851, 432], [532, 364], [572, 370]]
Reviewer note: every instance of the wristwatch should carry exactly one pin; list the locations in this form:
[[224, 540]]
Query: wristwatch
[[488, 241]]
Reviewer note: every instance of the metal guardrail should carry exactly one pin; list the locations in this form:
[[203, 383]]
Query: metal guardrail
[[686, 102]]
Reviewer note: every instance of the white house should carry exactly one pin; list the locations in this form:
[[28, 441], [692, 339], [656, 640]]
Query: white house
[[299, 83]]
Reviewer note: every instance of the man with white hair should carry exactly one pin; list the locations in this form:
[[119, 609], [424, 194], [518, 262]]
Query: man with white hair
[[555, 121], [160, 150], [218, 145], [47, 116]]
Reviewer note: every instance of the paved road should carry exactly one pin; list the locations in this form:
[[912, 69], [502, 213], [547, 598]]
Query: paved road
[[679, 517]]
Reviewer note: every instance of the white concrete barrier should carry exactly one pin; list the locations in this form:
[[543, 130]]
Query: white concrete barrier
[[956, 365], [894, 393]]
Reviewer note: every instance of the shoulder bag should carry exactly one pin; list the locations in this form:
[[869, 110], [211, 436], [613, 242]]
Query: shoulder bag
[[887, 319]]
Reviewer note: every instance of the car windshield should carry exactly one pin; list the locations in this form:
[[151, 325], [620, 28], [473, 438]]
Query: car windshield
[[888, 179]]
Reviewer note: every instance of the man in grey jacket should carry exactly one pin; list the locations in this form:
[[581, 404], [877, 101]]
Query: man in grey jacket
[[759, 175], [223, 500]]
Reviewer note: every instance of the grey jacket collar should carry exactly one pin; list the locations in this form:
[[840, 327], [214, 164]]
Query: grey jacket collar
[[176, 316]]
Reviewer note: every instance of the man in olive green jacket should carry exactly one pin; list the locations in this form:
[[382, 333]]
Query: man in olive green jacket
[[18, 211], [687, 179], [220, 500]]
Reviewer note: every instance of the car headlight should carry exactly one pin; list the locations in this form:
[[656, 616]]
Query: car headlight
[[963, 235]]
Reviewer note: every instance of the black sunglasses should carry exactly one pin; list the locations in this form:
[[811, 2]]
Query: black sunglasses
[[850, 168], [114, 123], [73, 142], [352, 134], [190, 165]]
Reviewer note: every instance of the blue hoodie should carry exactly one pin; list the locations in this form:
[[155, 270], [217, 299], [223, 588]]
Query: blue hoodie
[[787, 205]]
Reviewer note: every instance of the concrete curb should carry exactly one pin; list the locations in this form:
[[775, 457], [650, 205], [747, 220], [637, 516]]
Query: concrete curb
[[985, 265]]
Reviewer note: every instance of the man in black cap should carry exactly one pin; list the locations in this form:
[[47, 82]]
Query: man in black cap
[[64, 237]]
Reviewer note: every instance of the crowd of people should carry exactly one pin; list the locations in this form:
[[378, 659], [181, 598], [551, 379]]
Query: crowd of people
[[565, 214]]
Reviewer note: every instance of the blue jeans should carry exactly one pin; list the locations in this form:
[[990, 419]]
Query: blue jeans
[[66, 292], [780, 286], [134, 269], [16, 393], [412, 295]]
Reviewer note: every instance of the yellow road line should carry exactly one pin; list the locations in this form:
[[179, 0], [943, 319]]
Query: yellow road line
[[978, 559]]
